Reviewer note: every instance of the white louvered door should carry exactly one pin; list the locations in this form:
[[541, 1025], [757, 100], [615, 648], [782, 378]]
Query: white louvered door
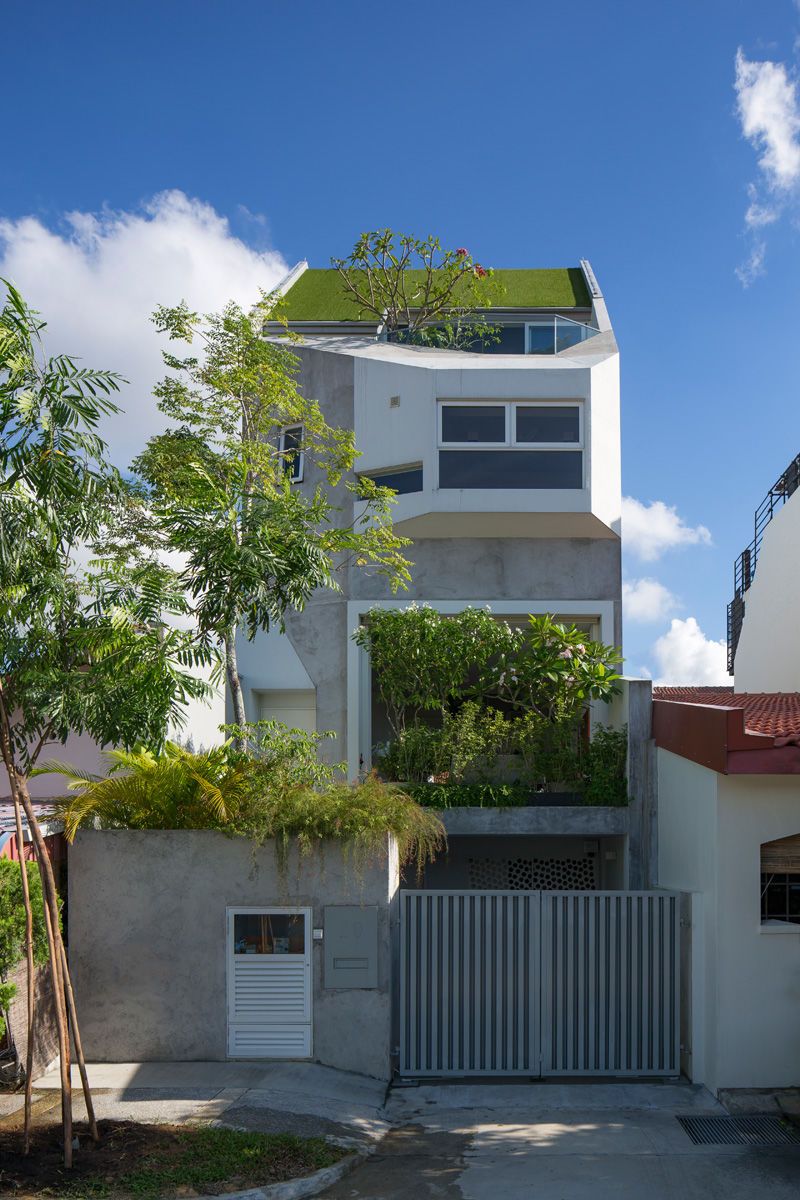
[[269, 982]]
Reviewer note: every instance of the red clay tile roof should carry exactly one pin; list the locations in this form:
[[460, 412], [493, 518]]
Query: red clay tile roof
[[772, 714]]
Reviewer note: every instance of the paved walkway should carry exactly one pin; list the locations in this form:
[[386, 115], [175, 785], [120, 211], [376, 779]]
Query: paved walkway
[[547, 1141], [561, 1142], [301, 1098]]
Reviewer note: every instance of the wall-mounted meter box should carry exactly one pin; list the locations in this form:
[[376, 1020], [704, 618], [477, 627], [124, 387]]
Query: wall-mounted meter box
[[351, 946]]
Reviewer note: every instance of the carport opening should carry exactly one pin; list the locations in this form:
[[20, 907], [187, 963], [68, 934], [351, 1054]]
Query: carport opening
[[529, 863]]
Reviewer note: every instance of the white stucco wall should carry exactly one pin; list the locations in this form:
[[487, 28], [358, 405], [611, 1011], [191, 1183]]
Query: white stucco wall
[[745, 985], [396, 436], [758, 1031], [768, 654], [687, 862]]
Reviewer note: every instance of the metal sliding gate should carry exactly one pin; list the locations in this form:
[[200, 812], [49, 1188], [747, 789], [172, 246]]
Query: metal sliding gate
[[539, 983]]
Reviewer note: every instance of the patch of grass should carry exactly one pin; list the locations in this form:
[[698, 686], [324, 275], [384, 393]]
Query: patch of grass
[[155, 1162], [319, 295]]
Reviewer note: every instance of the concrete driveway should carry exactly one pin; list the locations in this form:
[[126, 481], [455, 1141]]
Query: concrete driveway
[[561, 1142]]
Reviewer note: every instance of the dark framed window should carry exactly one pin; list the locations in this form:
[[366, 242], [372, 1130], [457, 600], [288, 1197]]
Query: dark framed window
[[510, 469], [511, 444], [780, 896], [291, 449], [481, 423], [403, 480]]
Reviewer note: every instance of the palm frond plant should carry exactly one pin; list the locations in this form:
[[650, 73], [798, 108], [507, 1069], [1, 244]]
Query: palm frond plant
[[277, 793], [174, 789]]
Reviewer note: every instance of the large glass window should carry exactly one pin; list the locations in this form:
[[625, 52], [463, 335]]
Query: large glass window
[[510, 469], [550, 335], [473, 423], [269, 933], [514, 444], [544, 423]]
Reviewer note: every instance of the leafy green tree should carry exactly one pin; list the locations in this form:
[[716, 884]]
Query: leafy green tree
[[414, 285], [254, 544], [82, 649], [13, 926]]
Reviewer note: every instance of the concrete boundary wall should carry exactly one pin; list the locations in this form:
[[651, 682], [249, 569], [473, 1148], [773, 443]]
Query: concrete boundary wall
[[147, 933]]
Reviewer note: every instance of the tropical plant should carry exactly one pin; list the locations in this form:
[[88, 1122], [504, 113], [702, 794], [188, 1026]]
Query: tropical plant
[[254, 545], [13, 921], [412, 284], [265, 795], [81, 650], [425, 661], [287, 758], [173, 788]]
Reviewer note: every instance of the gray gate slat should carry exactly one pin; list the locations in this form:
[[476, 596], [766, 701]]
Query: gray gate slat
[[529, 983]]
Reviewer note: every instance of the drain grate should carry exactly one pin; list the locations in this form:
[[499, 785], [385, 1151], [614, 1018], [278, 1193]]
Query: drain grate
[[740, 1131]]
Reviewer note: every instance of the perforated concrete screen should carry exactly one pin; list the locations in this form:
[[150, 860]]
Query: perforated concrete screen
[[351, 946], [534, 874]]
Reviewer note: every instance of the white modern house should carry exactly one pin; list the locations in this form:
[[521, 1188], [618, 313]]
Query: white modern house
[[507, 467]]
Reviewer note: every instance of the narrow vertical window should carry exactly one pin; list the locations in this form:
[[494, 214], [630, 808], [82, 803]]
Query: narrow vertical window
[[291, 449]]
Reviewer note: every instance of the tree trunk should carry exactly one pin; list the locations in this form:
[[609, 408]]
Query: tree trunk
[[234, 682], [8, 759], [31, 995], [61, 982]]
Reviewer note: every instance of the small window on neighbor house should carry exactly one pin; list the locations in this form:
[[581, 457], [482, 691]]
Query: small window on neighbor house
[[291, 449], [403, 479], [780, 881]]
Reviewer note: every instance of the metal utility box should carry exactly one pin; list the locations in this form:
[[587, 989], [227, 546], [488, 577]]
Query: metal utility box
[[351, 946]]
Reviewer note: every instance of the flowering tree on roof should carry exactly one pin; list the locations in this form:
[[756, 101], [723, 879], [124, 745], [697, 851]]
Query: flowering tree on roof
[[415, 285]]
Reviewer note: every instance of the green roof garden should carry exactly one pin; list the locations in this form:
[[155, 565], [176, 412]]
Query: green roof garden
[[319, 295]]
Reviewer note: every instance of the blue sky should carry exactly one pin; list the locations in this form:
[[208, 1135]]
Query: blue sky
[[533, 134]]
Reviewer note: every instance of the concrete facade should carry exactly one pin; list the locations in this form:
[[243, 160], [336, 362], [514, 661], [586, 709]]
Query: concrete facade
[[745, 976], [147, 926], [517, 550]]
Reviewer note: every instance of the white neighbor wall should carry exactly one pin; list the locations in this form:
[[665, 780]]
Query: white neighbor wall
[[745, 976], [766, 662]]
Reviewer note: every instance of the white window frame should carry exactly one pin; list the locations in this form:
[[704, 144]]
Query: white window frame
[[510, 442], [299, 462]]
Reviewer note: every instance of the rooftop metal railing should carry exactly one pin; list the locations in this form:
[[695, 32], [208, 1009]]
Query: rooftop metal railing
[[744, 568]]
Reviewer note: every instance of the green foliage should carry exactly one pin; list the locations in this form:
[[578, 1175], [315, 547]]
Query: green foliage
[[470, 795], [602, 770], [12, 925], [470, 699], [274, 790], [287, 758], [254, 545], [173, 788], [424, 661], [361, 816], [91, 649], [407, 283]]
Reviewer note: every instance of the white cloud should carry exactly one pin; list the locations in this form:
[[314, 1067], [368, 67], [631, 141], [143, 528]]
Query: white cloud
[[646, 600], [769, 114], [686, 656], [97, 283], [753, 265], [649, 530]]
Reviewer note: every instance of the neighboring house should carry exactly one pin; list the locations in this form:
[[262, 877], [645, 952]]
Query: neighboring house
[[507, 467], [763, 633], [729, 821]]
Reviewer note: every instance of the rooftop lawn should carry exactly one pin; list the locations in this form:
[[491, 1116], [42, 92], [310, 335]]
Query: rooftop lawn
[[318, 295]]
